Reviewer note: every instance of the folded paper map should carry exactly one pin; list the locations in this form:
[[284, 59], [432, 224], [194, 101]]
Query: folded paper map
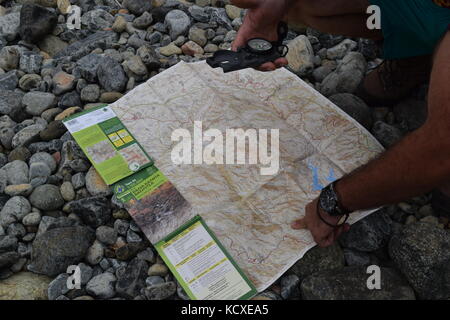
[[248, 205]]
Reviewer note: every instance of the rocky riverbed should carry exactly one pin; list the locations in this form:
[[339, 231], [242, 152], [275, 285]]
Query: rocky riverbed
[[56, 211]]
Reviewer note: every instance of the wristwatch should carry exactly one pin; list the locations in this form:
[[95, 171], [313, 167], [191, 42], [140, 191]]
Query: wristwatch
[[329, 202]]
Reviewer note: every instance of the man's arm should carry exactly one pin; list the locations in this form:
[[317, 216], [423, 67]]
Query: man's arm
[[417, 164]]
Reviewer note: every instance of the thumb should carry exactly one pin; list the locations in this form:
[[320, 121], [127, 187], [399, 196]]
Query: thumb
[[245, 4], [299, 224]]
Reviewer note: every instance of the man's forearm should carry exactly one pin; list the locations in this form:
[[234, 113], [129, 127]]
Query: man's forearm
[[414, 166], [418, 163]]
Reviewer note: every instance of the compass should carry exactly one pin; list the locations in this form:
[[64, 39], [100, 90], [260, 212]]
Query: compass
[[256, 52], [258, 45]]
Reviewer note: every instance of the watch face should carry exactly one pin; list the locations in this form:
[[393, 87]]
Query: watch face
[[328, 201], [259, 45]]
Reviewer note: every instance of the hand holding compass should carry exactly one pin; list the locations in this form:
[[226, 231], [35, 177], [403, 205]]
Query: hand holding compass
[[259, 40]]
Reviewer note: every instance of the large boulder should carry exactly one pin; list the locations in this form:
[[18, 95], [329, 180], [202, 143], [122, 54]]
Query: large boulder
[[36, 22], [52, 45], [350, 283], [47, 197], [78, 49], [132, 280], [24, 286], [137, 7], [9, 25], [368, 234], [111, 75], [411, 113], [94, 211], [56, 249], [386, 134], [354, 107], [102, 285], [347, 77], [422, 253], [97, 19], [160, 291], [319, 259], [88, 66], [178, 23], [300, 56]]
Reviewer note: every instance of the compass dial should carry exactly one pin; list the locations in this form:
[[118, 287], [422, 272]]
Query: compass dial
[[259, 45]]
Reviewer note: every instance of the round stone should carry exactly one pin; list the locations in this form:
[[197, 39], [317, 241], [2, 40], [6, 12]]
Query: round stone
[[18, 190], [158, 269], [151, 281], [32, 219], [67, 191], [16, 172], [169, 50], [39, 169], [102, 285], [46, 197], [95, 253], [177, 22], [191, 48], [45, 158], [17, 207], [110, 97], [119, 24], [37, 102], [106, 235], [95, 184], [90, 93], [63, 82]]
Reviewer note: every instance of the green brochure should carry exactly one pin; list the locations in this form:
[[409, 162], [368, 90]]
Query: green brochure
[[153, 202], [201, 264], [110, 147]]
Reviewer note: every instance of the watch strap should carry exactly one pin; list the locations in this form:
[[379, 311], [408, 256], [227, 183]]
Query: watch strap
[[346, 216], [340, 208]]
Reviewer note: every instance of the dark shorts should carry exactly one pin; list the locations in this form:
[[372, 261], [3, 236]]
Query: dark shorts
[[411, 27]]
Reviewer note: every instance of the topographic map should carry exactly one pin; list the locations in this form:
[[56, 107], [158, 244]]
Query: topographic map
[[250, 213]]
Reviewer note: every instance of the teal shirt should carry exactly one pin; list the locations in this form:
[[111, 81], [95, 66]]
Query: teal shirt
[[412, 27]]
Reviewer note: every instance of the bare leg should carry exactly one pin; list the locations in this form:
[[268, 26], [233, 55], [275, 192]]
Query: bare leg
[[344, 17]]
